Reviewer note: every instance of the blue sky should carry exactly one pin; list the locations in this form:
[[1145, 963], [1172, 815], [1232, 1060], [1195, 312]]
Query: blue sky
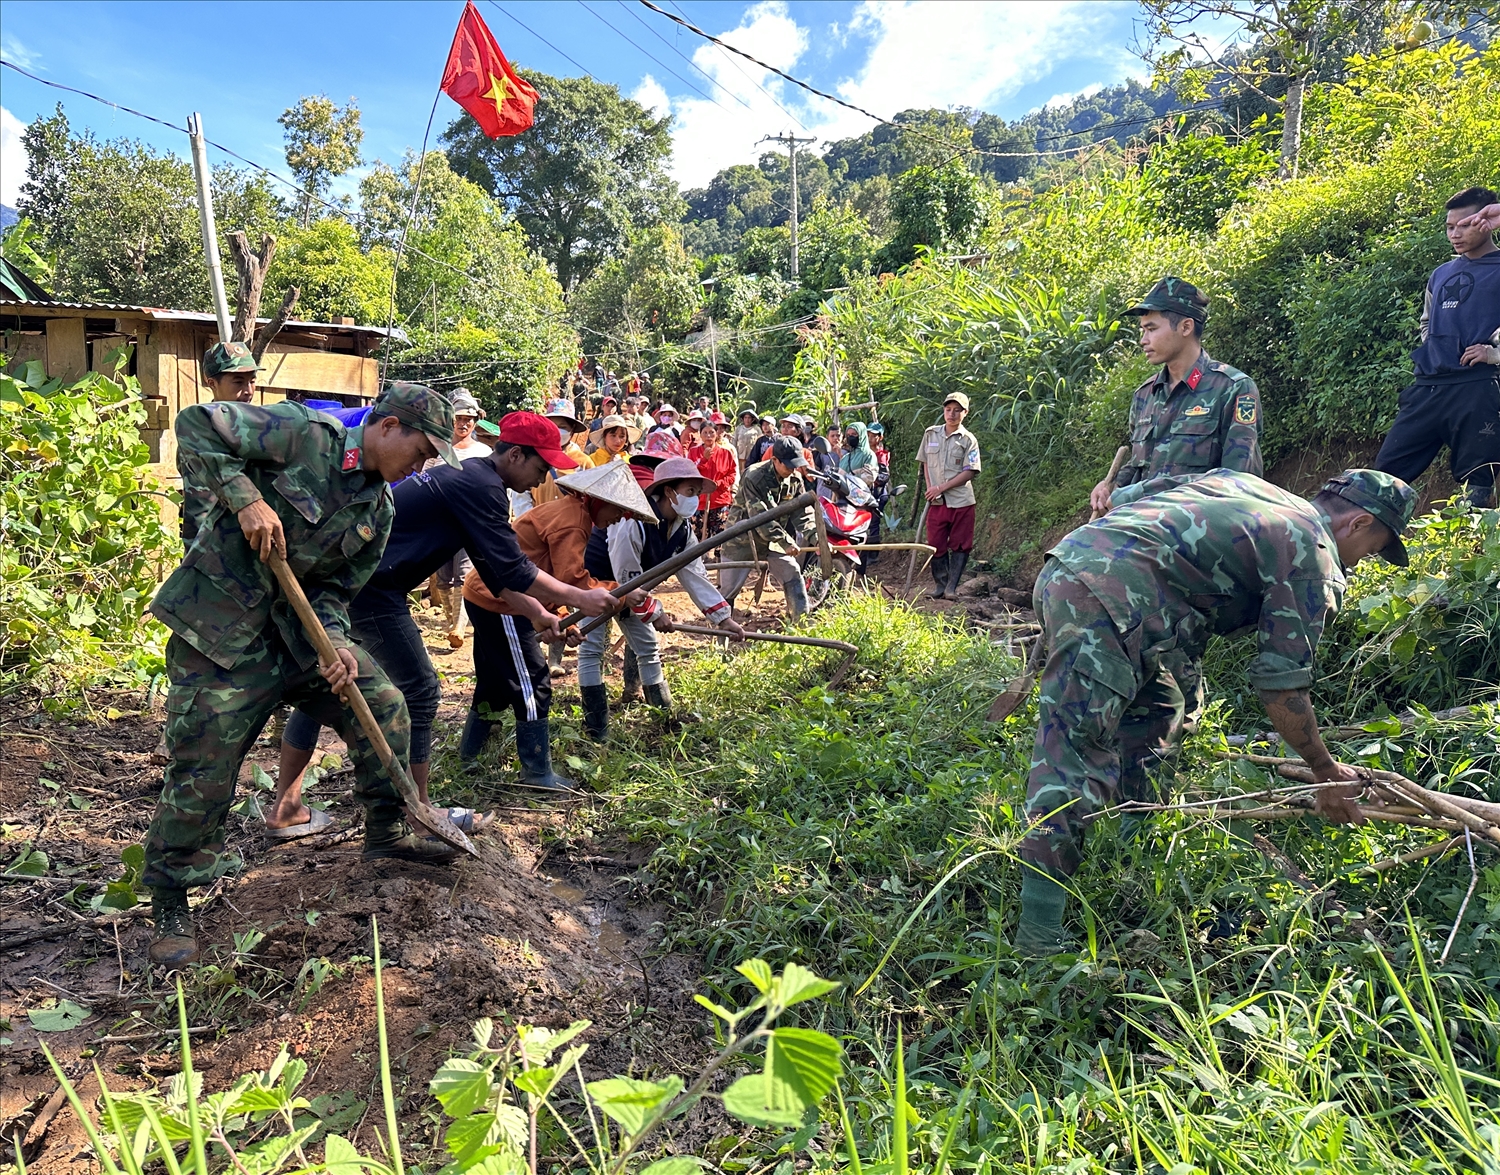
[[172, 58]]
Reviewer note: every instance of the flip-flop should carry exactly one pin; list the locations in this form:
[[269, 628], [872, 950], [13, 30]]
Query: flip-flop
[[470, 821], [320, 822]]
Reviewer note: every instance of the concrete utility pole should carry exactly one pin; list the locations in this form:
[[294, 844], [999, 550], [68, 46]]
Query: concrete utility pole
[[791, 142], [210, 230]]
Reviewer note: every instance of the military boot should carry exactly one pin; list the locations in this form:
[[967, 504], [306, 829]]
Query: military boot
[[940, 576], [632, 677], [1039, 933], [796, 600], [389, 838], [596, 711], [174, 943], [534, 750], [476, 733]]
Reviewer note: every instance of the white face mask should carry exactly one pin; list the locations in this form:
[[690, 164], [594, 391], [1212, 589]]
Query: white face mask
[[564, 435], [686, 506]]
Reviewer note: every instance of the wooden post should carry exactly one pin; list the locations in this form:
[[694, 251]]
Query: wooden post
[[825, 552]]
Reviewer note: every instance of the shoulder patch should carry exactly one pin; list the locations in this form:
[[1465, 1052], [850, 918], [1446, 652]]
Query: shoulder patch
[[1245, 410], [352, 459], [1194, 376], [1197, 410]]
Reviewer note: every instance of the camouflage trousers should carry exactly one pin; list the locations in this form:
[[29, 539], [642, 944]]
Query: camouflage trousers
[[1107, 719], [214, 716]]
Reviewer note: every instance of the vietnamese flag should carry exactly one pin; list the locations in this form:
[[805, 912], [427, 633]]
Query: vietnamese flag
[[480, 80]]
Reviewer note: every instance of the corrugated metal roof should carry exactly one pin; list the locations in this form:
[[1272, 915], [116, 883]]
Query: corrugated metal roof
[[159, 314]]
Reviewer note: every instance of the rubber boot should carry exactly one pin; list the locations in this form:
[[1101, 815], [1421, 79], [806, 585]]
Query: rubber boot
[[632, 676], [796, 603], [940, 576], [596, 711], [554, 661], [534, 750], [659, 695], [389, 838], [173, 943], [476, 733], [1039, 933], [1479, 496], [956, 563]]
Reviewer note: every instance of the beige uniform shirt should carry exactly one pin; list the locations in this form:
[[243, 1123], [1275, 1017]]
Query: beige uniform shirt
[[944, 457]]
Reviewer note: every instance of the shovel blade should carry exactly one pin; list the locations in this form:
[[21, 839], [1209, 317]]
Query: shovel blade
[[440, 824], [1011, 700]]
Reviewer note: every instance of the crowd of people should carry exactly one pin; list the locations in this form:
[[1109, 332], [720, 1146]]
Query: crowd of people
[[539, 514]]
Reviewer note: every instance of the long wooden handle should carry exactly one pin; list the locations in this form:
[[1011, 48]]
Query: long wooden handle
[[664, 571], [911, 566], [851, 652], [1114, 471]]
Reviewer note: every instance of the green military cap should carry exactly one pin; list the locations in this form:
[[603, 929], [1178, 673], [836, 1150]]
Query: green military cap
[[1172, 295], [488, 427], [418, 406], [222, 357], [958, 398], [1388, 498]]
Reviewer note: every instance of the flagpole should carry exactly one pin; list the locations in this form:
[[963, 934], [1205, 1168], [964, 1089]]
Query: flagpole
[[390, 322]]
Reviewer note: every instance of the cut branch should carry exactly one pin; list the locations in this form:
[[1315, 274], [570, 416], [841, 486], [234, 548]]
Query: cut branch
[[252, 267], [268, 332]]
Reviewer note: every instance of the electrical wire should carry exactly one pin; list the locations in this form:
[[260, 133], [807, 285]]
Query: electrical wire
[[539, 37], [635, 16], [729, 57], [642, 49]]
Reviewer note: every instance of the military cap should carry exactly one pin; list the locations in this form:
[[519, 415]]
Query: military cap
[[488, 427], [958, 398], [223, 357], [788, 452], [418, 406], [1388, 498], [1172, 295]]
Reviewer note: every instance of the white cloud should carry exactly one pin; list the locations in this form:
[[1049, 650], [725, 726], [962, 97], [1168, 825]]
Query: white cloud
[[12, 158], [937, 53], [13, 51], [652, 96], [1057, 101]]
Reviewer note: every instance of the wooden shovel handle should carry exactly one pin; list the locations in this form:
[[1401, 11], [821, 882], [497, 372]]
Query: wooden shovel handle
[[1114, 471]]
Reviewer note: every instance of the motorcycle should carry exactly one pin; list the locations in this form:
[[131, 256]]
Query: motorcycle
[[849, 511]]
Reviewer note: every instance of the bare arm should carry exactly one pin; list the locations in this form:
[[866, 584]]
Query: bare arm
[[1291, 712]]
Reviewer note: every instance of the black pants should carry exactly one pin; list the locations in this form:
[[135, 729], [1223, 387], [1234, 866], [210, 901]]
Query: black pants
[[1464, 416], [510, 667], [393, 639]]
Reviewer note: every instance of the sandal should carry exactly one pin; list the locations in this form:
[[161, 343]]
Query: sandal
[[319, 822]]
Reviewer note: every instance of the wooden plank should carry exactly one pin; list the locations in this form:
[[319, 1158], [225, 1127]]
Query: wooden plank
[[21, 349], [99, 350], [67, 352], [318, 371]]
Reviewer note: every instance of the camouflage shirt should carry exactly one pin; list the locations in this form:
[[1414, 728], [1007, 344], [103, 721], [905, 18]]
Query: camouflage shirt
[[1209, 420], [307, 467], [1212, 554], [761, 490]]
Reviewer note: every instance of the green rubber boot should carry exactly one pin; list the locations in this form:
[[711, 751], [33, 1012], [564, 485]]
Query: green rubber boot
[[174, 943], [391, 839], [1039, 933]]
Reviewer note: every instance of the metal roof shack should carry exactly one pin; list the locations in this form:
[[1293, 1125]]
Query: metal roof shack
[[323, 360]]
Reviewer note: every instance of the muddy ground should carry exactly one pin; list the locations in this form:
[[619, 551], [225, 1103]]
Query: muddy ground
[[545, 927]]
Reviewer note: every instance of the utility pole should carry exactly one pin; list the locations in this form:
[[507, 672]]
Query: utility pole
[[791, 142], [210, 230]]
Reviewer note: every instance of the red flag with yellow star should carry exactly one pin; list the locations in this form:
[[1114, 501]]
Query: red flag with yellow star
[[480, 80]]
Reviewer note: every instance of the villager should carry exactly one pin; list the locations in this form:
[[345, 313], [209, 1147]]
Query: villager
[[950, 463]]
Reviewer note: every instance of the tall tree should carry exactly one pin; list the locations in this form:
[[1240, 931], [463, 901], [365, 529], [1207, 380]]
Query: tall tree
[[322, 143], [1283, 45], [591, 168]]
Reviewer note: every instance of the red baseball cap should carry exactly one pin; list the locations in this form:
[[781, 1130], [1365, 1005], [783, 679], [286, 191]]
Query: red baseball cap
[[536, 432]]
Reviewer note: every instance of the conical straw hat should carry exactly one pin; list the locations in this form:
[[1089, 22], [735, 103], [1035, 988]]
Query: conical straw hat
[[614, 483]]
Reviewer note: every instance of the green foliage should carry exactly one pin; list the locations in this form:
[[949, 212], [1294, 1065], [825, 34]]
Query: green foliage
[[936, 208], [1195, 179], [84, 544], [336, 278], [322, 143], [834, 246], [647, 294], [590, 169]]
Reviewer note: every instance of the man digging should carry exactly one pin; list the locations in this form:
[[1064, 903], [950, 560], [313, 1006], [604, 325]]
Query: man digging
[[1142, 589], [289, 479]]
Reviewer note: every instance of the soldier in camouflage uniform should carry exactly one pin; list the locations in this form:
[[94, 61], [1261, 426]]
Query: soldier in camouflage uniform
[[294, 480], [1194, 415], [229, 370], [1145, 587], [766, 485]]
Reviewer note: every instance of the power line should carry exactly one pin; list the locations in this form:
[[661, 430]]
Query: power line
[[729, 57], [538, 36], [636, 17], [658, 60]]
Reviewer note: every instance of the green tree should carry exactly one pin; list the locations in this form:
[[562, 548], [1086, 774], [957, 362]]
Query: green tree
[[1195, 179], [322, 143], [1012, 143], [936, 207], [835, 245], [336, 278], [591, 168]]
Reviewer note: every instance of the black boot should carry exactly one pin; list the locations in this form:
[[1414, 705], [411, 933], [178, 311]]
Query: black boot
[[596, 711], [940, 576], [534, 750], [659, 695], [632, 676], [173, 944], [387, 837], [476, 733], [956, 562]]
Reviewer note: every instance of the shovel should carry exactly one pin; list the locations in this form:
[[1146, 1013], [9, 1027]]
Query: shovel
[[1020, 689], [1114, 471], [435, 820]]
